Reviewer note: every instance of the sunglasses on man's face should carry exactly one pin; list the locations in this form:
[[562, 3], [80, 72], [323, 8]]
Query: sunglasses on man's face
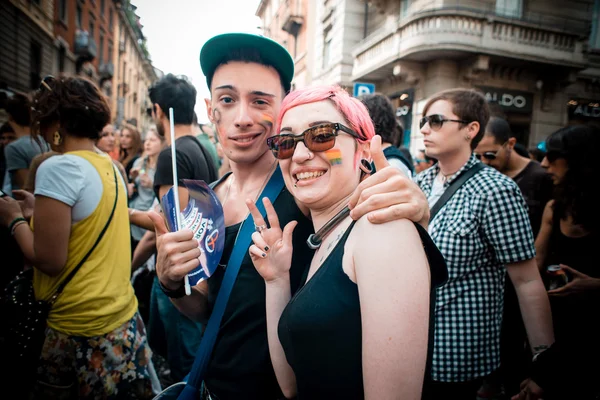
[[437, 120], [318, 138], [488, 155]]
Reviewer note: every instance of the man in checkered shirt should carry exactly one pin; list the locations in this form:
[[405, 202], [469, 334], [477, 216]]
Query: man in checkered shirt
[[483, 231]]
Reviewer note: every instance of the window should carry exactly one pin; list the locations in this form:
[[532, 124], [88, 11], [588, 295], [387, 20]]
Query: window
[[326, 52], [595, 34], [101, 49], [92, 29], [62, 10], [404, 8], [35, 64], [78, 17], [102, 5], [110, 18], [62, 54], [509, 8], [110, 51]]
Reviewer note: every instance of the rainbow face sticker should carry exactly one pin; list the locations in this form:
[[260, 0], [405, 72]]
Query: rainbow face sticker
[[267, 120], [334, 156]]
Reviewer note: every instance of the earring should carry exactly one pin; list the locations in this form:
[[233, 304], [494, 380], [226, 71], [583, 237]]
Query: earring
[[365, 166], [57, 139], [467, 138]]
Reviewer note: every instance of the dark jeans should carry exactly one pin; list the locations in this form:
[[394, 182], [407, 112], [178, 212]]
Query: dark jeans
[[172, 335], [434, 390]]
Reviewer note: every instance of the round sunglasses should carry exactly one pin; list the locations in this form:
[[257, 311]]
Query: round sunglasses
[[437, 120], [318, 138]]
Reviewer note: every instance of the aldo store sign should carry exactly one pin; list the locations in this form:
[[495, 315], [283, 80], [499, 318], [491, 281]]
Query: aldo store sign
[[510, 100]]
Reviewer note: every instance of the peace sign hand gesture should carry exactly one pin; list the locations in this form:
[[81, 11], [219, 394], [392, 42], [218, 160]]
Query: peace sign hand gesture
[[271, 252]]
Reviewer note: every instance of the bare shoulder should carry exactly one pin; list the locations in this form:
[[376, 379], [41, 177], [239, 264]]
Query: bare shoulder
[[368, 234]]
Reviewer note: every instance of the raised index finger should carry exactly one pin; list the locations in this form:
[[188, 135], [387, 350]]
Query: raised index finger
[[271, 213], [256, 215]]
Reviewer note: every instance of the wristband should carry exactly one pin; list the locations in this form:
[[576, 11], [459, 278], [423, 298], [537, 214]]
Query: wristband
[[173, 294], [14, 223]]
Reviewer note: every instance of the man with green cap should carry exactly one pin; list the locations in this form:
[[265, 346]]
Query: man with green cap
[[248, 76]]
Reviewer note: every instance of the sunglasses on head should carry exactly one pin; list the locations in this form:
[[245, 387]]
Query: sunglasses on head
[[437, 120], [318, 138], [47, 83]]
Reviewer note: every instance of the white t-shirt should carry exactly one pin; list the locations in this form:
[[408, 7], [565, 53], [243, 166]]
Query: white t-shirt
[[396, 163], [64, 178]]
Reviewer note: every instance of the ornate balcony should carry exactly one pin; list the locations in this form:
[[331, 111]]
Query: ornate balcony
[[445, 33], [85, 45]]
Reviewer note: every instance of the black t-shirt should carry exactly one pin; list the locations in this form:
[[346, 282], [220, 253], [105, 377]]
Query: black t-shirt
[[193, 162], [240, 367], [536, 186]]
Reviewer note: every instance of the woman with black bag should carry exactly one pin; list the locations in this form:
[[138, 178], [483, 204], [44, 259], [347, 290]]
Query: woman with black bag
[[93, 342]]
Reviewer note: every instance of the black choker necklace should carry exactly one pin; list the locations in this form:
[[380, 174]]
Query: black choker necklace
[[314, 241]]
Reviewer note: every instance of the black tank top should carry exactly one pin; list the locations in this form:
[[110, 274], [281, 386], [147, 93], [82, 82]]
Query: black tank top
[[320, 331]]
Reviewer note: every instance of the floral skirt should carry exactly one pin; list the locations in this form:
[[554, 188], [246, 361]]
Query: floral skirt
[[117, 365]]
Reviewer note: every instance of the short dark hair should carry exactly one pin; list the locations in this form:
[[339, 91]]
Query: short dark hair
[[499, 129], [382, 113], [468, 105], [19, 108], [246, 55], [175, 92], [75, 103]]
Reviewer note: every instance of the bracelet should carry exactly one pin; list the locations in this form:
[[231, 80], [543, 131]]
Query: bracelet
[[14, 222], [174, 294], [14, 228]]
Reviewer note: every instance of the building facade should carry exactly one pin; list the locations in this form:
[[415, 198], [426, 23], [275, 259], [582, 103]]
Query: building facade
[[134, 73], [290, 23], [537, 61], [26, 44]]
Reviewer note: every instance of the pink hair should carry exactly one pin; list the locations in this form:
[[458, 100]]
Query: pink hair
[[354, 111]]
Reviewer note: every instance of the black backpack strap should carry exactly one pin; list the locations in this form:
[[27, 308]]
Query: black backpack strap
[[457, 183], [212, 169], [62, 285]]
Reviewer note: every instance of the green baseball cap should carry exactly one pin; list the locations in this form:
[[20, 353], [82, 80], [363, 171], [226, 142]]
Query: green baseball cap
[[216, 49]]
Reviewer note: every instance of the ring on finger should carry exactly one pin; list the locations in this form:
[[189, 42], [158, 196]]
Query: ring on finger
[[260, 228]]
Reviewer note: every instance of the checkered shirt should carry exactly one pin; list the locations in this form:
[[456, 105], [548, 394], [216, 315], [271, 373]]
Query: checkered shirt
[[481, 228]]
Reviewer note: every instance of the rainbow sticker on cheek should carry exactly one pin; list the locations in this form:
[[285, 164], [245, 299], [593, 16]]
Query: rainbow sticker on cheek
[[334, 156], [267, 120]]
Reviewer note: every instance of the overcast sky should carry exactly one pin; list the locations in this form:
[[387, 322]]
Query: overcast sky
[[177, 29]]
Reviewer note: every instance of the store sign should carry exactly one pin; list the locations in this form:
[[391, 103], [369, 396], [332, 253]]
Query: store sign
[[509, 100], [584, 109]]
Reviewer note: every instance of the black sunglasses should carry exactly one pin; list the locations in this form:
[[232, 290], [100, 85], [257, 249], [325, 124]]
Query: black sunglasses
[[488, 155], [437, 120], [318, 138], [47, 83]]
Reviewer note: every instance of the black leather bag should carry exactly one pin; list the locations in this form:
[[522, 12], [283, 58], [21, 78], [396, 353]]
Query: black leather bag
[[26, 317]]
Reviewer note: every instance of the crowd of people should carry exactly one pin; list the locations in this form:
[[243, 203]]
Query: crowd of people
[[428, 280]]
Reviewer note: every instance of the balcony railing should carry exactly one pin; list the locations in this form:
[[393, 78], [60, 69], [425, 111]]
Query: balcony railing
[[464, 32], [85, 45], [106, 70]]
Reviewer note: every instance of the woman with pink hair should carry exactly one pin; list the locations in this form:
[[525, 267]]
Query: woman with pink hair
[[358, 327]]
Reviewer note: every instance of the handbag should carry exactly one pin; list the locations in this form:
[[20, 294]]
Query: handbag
[[191, 389], [26, 317]]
